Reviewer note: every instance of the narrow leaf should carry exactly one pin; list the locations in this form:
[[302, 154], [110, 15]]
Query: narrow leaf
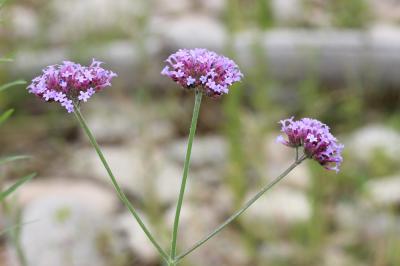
[[4, 116], [3, 60], [12, 84], [11, 189], [8, 159], [17, 226]]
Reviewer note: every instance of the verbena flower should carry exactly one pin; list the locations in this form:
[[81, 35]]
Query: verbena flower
[[71, 83], [319, 144], [202, 69]]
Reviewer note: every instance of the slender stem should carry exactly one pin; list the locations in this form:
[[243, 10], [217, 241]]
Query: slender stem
[[192, 132], [245, 207], [121, 194]]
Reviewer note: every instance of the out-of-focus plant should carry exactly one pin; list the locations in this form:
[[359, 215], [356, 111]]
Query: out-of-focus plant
[[13, 231], [350, 14], [7, 159]]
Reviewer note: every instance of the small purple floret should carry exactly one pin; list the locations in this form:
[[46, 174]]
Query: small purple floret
[[71, 83], [319, 144], [202, 69]]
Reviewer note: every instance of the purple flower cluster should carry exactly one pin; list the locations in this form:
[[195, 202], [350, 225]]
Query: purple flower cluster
[[203, 69], [71, 83], [319, 144]]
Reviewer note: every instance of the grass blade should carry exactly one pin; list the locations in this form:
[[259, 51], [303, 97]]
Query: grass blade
[[8, 159], [4, 116], [12, 84], [17, 226], [5, 60], [14, 187]]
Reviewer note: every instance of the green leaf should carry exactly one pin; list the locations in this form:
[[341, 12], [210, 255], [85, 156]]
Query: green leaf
[[14, 187], [2, 2], [6, 60], [8, 159], [12, 84], [4, 116]]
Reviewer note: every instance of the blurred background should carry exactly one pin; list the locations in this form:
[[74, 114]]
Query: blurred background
[[337, 61]]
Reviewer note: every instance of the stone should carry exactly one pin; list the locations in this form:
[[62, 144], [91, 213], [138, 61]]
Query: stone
[[213, 6], [24, 22], [282, 206], [126, 163], [287, 11], [66, 231], [278, 158], [168, 182], [277, 251], [166, 7], [32, 61], [365, 141], [136, 239], [178, 32], [359, 221], [349, 217], [98, 198], [127, 123], [207, 151], [74, 23], [386, 11], [196, 222], [384, 191], [336, 256], [120, 125]]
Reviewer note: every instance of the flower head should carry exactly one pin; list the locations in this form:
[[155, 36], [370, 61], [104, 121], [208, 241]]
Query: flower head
[[202, 69], [316, 139], [71, 83]]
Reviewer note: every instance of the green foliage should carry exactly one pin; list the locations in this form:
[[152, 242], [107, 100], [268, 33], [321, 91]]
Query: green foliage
[[12, 84], [4, 116], [264, 14], [350, 14], [7, 159], [15, 186]]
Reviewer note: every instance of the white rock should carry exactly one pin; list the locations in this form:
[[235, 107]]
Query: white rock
[[196, 222], [364, 142], [75, 22], [24, 22], [282, 206], [287, 11], [336, 256], [277, 251], [191, 31], [127, 122], [108, 127], [99, 198], [387, 11], [64, 231], [214, 6], [209, 150], [27, 61], [349, 216], [172, 7], [278, 158], [168, 182], [126, 163], [137, 239], [384, 191]]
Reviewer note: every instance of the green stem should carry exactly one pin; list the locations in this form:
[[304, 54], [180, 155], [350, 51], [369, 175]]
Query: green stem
[[239, 212], [192, 132], [121, 195]]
